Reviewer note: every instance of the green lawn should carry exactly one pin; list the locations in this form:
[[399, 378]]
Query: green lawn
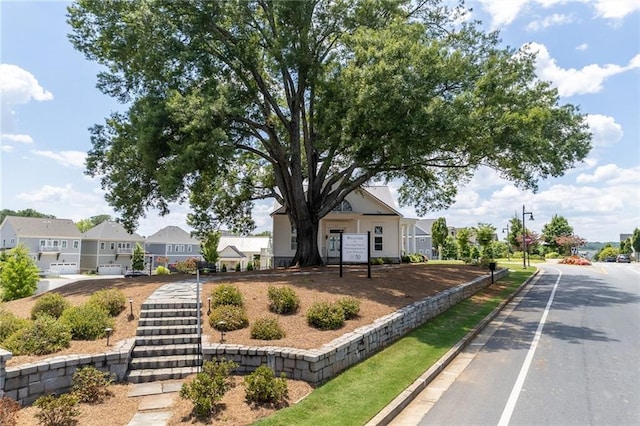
[[358, 394]]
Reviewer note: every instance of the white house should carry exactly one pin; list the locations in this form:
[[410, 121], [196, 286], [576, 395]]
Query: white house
[[370, 209], [235, 250]]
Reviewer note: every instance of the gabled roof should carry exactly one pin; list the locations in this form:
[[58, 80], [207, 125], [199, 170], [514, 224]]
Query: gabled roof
[[231, 252], [425, 225], [111, 231], [245, 244], [41, 227], [172, 235]]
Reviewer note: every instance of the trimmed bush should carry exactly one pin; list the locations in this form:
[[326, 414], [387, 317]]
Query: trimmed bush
[[325, 316], [43, 336], [112, 300], [283, 300], [350, 307], [87, 322], [267, 328], [162, 270], [52, 304], [91, 385], [208, 387], [226, 294], [377, 261], [9, 407], [234, 318], [9, 324], [262, 386], [57, 411], [237, 267]]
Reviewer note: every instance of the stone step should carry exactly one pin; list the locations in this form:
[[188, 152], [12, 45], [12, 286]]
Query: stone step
[[167, 321], [156, 330], [164, 350], [152, 375], [170, 304], [168, 312], [160, 362], [167, 339]]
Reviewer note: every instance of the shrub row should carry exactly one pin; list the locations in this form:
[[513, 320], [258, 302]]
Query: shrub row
[[331, 316]]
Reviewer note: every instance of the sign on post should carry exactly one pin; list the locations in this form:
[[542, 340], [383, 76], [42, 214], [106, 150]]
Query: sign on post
[[355, 248]]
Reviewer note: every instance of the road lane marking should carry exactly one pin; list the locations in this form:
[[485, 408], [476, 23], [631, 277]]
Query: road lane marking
[[517, 387]]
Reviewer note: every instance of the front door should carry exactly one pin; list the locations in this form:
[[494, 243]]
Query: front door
[[333, 242]]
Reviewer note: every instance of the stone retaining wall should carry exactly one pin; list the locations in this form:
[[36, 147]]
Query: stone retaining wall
[[26, 383], [319, 365]]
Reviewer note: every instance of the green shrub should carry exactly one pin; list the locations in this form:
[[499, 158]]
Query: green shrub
[[43, 336], [208, 387], [19, 274], [112, 300], [262, 386], [283, 300], [234, 318], [237, 267], [91, 385], [552, 255], [325, 316], [377, 261], [52, 304], [9, 324], [249, 266], [226, 294], [87, 322], [224, 268], [9, 407], [162, 270], [267, 328], [350, 307], [57, 411]]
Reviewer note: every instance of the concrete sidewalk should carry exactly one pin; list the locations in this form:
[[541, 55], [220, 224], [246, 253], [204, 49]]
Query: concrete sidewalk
[[47, 284]]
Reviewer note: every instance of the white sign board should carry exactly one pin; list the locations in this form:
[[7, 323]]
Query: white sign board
[[355, 248]]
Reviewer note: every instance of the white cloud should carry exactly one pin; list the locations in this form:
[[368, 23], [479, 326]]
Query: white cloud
[[582, 47], [57, 194], [604, 130], [503, 12], [571, 81], [611, 174], [64, 158], [555, 19], [616, 9], [7, 148], [19, 86], [17, 138]]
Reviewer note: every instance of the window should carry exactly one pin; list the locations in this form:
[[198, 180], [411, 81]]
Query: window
[[43, 243], [377, 238], [189, 248], [76, 244], [422, 240], [64, 244], [101, 246], [13, 241], [344, 206], [294, 238], [56, 243], [169, 248], [181, 248]]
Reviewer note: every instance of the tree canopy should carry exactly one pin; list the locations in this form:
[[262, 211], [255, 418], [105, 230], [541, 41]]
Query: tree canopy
[[230, 102], [556, 228]]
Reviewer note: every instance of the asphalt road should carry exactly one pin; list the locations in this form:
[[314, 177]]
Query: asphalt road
[[566, 351]]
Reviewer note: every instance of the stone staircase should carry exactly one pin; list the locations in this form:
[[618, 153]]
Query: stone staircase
[[166, 345]]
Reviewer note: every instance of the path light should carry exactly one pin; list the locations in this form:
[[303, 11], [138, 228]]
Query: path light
[[108, 332], [209, 310], [221, 325], [130, 308], [524, 238]]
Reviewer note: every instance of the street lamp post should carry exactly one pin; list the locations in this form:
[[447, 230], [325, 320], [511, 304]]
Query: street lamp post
[[508, 244], [524, 237]]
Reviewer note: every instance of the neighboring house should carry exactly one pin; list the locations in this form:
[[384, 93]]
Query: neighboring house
[[107, 248], [234, 250], [54, 244], [173, 243], [424, 244], [370, 209]]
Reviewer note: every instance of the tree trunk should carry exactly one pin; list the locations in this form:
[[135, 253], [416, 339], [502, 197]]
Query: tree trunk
[[307, 253]]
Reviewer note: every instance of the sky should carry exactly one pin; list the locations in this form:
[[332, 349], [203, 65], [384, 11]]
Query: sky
[[588, 50]]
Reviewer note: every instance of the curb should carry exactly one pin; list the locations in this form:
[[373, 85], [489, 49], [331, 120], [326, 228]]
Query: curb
[[391, 411]]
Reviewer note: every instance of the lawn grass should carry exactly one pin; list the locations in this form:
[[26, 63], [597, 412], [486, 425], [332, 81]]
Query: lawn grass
[[359, 393]]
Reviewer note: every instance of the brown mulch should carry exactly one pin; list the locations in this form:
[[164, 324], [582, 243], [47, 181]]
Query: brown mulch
[[390, 288]]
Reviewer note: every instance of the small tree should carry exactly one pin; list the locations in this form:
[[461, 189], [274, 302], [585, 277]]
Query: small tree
[[485, 235], [439, 233], [19, 276], [209, 247], [464, 249], [137, 258], [635, 243]]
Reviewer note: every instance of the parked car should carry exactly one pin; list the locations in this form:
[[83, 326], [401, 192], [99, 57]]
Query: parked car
[[131, 274], [623, 258], [610, 259]]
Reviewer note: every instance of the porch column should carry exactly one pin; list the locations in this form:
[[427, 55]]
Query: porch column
[[413, 243]]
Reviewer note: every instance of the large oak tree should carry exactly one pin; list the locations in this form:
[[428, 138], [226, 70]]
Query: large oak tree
[[305, 101]]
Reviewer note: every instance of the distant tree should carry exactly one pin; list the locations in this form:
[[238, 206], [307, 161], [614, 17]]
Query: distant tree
[[137, 258], [485, 235], [24, 213], [635, 243], [515, 233], [439, 233], [607, 251], [85, 224], [464, 249], [263, 234], [19, 275], [557, 227], [565, 243], [209, 247], [449, 248], [626, 246]]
